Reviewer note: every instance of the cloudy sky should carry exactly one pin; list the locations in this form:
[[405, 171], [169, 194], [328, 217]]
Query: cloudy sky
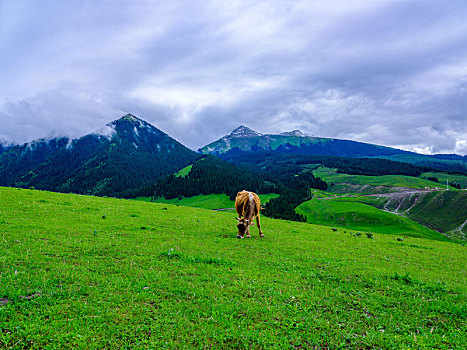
[[389, 72]]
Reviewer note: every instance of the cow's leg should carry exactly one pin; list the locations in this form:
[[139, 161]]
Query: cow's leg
[[248, 232], [259, 227]]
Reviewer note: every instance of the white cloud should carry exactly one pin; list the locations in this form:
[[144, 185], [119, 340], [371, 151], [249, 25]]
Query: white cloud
[[54, 113]]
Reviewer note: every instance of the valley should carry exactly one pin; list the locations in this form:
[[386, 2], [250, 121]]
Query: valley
[[130, 158], [396, 204], [417, 199]]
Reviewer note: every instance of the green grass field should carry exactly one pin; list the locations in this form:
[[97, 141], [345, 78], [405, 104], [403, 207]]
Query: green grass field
[[350, 214], [331, 176], [92, 273], [443, 209], [452, 178], [210, 201], [185, 171]]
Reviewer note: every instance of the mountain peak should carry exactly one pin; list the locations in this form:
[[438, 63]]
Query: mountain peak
[[130, 118], [242, 130], [126, 125], [134, 129], [131, 121]]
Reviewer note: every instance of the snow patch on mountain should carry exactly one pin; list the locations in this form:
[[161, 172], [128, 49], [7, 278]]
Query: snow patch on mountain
[[69, 144], [226, 141]]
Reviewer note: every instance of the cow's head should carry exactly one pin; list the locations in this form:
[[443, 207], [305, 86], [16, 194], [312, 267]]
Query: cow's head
[[242, 226]]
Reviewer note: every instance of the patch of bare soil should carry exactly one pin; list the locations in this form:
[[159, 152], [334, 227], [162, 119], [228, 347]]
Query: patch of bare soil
[[27, 297]]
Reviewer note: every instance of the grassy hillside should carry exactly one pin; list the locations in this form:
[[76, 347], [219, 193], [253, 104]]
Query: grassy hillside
[[345, 213], [87, 272], [452, 178], [210, 175], [185, 171], [443, 210], [448, 209], [331, 176]]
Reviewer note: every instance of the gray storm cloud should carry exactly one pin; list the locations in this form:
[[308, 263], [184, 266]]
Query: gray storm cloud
[[386, 72]]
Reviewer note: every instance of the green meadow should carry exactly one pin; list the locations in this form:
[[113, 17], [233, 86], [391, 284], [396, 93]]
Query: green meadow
[[451, 178], [80, 272], [445, 210], [185, 171], [331, 176], [348, 213]]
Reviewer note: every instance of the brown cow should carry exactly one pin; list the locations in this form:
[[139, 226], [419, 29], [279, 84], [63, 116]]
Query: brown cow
[[247, 205]]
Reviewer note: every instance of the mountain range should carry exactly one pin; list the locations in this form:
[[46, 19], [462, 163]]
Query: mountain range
[[129, 154], [244, 139]]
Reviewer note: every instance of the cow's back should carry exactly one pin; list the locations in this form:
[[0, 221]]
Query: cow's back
[[241, 202]]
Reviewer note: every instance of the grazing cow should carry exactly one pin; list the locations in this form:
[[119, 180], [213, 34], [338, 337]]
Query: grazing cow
[[247, 205]]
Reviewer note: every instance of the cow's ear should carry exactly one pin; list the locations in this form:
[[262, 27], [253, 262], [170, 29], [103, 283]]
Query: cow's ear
[[238, 219], [251, 223]]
